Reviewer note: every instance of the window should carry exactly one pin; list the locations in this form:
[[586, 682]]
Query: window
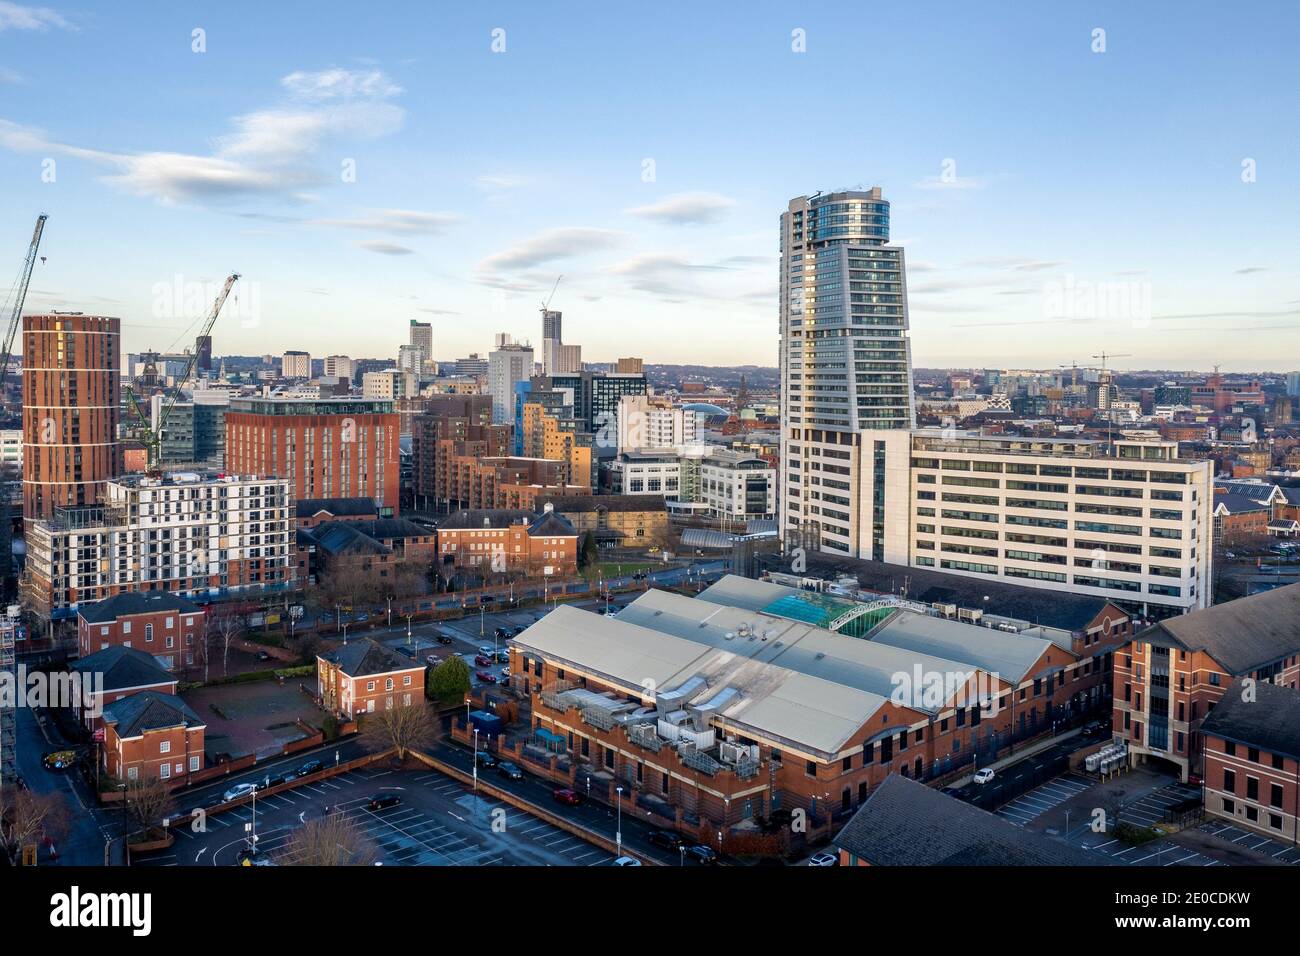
[[1229, 781], [406, 681], [1275, 795], [148, 633], [165, 771], [195, 762], [164, 746], [1252, 788], [810, 768]]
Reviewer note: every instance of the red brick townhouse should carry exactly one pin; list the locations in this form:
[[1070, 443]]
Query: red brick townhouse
[[114, 673], [152, 736], [509, 540], [165, 625], [365, 676], [708, 711], [1170, 675], [1251, 748]]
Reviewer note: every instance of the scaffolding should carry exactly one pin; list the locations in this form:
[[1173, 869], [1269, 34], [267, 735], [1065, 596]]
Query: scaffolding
[[8, 708]]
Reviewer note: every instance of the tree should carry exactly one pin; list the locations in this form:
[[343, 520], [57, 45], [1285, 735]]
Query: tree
[[26, 817], [227, 624], [448, 682], [404, 728], [149, 803], [346, 584], [588, 549], [333, 840]]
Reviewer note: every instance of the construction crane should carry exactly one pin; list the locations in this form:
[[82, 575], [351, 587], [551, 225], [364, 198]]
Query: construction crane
[[1110, 355], [546, 305], [153, 431], [20, 296]]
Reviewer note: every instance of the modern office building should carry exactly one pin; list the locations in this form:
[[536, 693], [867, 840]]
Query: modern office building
[[654, 422], [195, 434], [71, 410], [421, 337], [338, 367], [296, 365], [203, 349], [508, 364], [327, 448], [390, 384], [195, 534]]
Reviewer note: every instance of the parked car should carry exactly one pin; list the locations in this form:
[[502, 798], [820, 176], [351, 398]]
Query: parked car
[[483, 660], [310, 767], [486, 677], [487, 650], [570, 798], [627, 861], [486, 760], [984, 776], [510, 771], [263, 656], [237, 791], [60, 760], [265, 782], [430, 659], [505, 673], [823, 859], [503, 657], [285, 776], [702, 854], [665, 839], [383, 799], [1092, 729], [444, 639], [502, 632], [1195, 780]]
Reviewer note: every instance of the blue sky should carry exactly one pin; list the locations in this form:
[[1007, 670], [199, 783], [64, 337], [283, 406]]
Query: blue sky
[[1054, 201]]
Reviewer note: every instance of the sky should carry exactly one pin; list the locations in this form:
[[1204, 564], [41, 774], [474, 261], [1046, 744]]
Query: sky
[[1067, 179]]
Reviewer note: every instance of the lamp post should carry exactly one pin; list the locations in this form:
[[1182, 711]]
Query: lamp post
[[618, 830], [408, 628], [390, 610]]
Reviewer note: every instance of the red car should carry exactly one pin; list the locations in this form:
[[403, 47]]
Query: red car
[[486, 677], [567, 797], [483, 660]]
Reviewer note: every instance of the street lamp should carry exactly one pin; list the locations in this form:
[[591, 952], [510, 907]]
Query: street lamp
[[390, 610], [618, 830], [408, 628]]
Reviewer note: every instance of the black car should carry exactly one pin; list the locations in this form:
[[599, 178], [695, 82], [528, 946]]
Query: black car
[[382, 800], [444, 639], [507, 769], [502, 632], [702, 854], [662, 838], [310, 767], [486, 760]]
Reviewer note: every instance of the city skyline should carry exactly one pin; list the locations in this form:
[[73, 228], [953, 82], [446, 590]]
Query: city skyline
[[1057, 195]]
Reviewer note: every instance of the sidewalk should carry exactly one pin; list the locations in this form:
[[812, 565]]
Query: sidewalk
[[1038, 746]]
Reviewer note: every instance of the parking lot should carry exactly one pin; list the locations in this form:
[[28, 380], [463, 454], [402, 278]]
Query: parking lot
[[1273, 849], [1030, 806], [440, 822]]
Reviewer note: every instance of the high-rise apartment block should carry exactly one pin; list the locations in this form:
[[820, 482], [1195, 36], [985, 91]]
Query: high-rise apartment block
[[508, 364], [71, 410], [327, 448], [338, 367], [296, 365]]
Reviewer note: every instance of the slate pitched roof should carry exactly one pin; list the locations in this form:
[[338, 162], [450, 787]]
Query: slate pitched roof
[[1270, 722], [136, 602], [367, 656], [1242, 635], [905, 823], [149, 710], [123, 667], [339, 507]]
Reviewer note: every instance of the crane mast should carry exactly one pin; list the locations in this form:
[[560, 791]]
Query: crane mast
[[24, 280]]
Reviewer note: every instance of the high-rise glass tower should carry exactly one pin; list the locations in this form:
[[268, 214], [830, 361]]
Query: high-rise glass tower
[[846, 378]]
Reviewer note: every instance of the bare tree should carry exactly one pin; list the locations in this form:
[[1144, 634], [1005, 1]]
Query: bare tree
[[26, 817], [404, 727], [149, 803], [227, 624], [333, 840]]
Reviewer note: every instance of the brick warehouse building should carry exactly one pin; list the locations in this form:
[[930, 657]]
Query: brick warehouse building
[[1251, 748], [708, 713], [1169, 676], [71, 409], [327, 448]]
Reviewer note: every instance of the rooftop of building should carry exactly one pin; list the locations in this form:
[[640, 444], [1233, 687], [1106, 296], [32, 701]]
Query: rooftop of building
[[130, 603], [124, 667], [367, 657], [1241, 635], [1268, 717], [577, 504], [905, 823], [339, 507], [542, 522], [149, 710]]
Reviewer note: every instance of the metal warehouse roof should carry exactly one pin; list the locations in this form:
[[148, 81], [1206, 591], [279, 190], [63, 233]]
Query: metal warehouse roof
[[1011, 656]]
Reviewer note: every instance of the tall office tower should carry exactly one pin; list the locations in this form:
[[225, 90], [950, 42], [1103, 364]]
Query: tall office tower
[[508, 364], [203, 348], [296, 365], [846, 377], [552, 325], [629, 366], [330, 448], [413, 359], [561, 359], [422, 338], [1293, 383], [552, 340], [338, 367], [71, 408]]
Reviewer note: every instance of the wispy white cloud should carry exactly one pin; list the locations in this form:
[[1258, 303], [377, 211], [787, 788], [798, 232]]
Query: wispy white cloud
[[396, 221], [551, 245], [15, 16], [689, 209], [385, 248]]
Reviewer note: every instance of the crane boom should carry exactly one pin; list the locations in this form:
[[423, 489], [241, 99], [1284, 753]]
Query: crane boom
[[154, 431], [24, 280]]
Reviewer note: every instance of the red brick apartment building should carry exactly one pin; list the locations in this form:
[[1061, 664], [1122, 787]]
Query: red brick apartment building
[[1251, 749], [164, 625], [151, 736], [328, 448], [706, 709], [114, 673], [505, 541], [1169, 676], [365, 676], [71, 407]]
